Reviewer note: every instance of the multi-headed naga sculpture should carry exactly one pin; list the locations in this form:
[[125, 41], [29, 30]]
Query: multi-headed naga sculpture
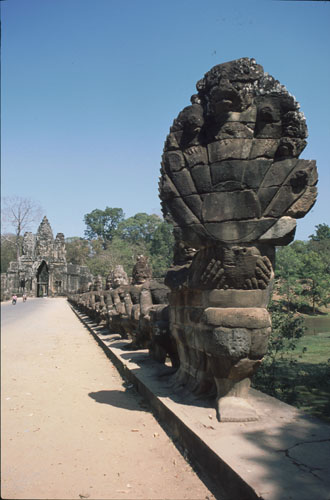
[[232, 185]]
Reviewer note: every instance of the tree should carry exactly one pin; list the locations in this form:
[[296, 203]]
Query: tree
[[320, 243], [303, 270], [278, 373], [161, 248], [140, 227], [103, 224], [8, 251], [152, 236], [77, 250], [322, 233], [315, 279], [288, 271], [20, 214]]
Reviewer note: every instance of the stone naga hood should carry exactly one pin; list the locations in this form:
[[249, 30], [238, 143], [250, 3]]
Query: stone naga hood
[[230, 169]]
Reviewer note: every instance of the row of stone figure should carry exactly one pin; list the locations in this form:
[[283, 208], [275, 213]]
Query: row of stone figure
[[137, 309]]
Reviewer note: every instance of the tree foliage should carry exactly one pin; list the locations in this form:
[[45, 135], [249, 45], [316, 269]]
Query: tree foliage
[[102, 224], [303, 271], [77, 250], [114, 240], [279, 370], [322, 233], [8, 250]]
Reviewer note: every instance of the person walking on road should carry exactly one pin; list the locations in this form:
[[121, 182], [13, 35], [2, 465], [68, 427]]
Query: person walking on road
[[24, 297], [14, 300]]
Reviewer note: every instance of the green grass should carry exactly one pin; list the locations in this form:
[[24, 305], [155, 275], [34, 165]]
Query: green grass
[[317, 348], [302, 376]]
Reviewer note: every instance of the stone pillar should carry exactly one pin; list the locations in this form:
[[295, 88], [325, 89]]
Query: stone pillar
[[232, 185]]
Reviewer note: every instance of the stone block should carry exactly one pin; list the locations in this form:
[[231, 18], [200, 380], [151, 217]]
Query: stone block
[[235, 205], [229, 149], [173, 161], [234, 317], [255, 171], [235, 130], [202, 178], [265, 196], [278, 172], [247, 116], [176, 299], [194, 298], [281, 202], [239, 231], [230, 343], [193, 235], [167, 188], [195, 314], [183, 182], [230, 170], [303, 204], [196, 155], [181, 212], [171, 143], [269, 131], [179, 334], [290, 147], [236, 298], [195, 204], [284, 226], [263, 148], [173, 315], [259, 342]]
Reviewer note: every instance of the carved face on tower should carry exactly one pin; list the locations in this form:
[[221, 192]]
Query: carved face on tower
[[141, 270]]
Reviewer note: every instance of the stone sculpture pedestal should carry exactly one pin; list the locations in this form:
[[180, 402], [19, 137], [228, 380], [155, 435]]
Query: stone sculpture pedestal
[[232, 184], [222, 336]]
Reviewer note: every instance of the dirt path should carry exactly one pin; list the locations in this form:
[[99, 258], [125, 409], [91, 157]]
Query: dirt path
[[70, 427]]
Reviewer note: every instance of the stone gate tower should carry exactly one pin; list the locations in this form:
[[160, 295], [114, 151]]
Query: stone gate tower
[[42, 270]]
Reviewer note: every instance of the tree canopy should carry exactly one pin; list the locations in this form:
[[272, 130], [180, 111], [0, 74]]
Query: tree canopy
[[102, 224], [303, 270], [114, 240], [322, 233]]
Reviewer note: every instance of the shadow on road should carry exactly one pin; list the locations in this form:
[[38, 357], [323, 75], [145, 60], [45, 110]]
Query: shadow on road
[[119, 399]]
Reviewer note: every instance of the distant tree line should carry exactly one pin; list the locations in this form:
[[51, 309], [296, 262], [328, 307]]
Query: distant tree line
[[303, 272], [302, 269], [111, 239]]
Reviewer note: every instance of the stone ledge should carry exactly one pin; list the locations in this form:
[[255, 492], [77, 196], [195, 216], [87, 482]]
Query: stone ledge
[[283, 456]]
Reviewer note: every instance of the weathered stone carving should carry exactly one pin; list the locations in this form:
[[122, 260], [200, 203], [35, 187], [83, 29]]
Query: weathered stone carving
[[232, 185], [130, 305], [29, 241], [141, 271], [137, 311]]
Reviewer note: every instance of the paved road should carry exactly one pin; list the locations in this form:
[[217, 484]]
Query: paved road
[[71, 428]]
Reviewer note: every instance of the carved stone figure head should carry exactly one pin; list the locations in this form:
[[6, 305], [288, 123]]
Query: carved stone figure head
[[141, 271], [98, 284], [118, 277]]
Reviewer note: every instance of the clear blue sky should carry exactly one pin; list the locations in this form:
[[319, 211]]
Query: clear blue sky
[[91, 87]]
